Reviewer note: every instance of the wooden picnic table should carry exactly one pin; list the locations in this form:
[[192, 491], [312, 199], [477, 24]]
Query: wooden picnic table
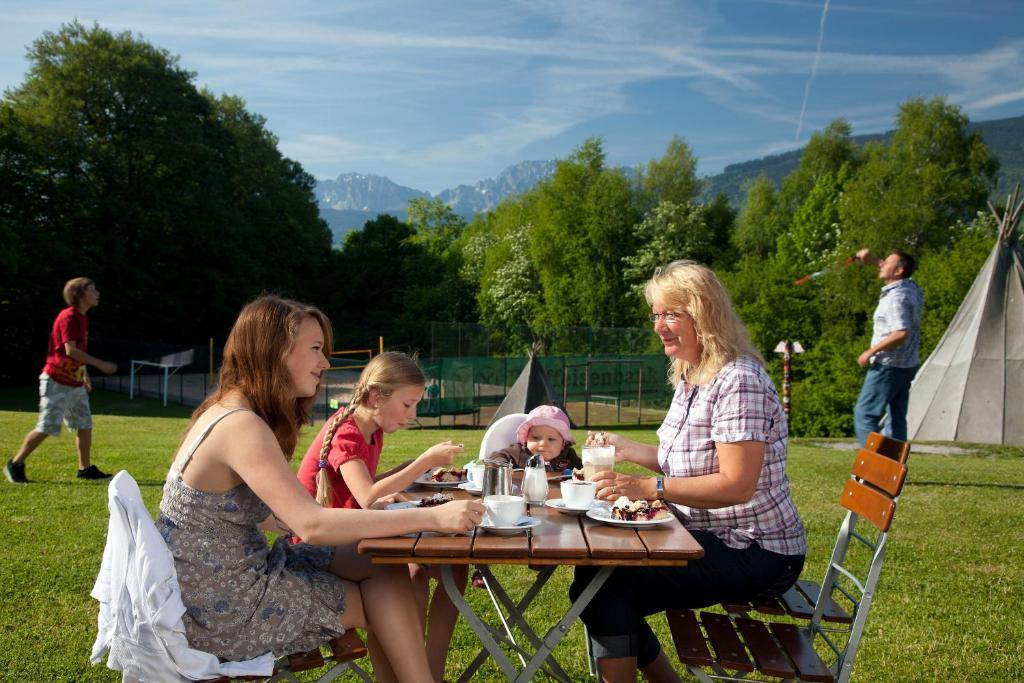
[[560, 540]]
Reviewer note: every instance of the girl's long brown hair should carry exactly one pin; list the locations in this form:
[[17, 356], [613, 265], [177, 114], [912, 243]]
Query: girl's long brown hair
[[254, 365], [385, 374]]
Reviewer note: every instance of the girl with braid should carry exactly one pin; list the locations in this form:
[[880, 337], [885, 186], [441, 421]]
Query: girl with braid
[[231, 481], [340, 471]]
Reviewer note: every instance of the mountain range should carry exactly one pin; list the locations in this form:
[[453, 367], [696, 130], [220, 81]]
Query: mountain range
[[350, 200]]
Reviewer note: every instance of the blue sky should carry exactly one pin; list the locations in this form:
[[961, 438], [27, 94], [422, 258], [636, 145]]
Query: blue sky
[[433, 94]]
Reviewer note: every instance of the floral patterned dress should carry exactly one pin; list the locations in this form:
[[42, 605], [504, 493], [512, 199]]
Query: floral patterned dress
[[242, 597]]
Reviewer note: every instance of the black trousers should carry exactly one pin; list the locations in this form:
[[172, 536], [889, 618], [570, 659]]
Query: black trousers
[[615, 618]]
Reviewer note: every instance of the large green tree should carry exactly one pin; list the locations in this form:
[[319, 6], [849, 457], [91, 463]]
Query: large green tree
[[438, 287], [672, 178], [176, 202], [583, 228], [933, 174]]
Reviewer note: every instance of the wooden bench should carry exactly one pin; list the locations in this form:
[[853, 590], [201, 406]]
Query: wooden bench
[[343, 653]]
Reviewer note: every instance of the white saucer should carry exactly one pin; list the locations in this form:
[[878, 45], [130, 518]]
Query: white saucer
[[559, 504], [470, 487], [525, 523], [604, 514]]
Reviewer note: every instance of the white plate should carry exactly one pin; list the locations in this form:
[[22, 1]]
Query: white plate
[[470, 487], [559, 504], [525, 522], [403, 505], [604, 514], [425, 480]]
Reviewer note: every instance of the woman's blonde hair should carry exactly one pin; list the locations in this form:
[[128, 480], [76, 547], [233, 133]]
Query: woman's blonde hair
[[384, 374], [689, 287], [254, 365]]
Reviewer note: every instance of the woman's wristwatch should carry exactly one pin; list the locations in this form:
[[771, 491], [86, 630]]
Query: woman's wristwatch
[[659, 486]]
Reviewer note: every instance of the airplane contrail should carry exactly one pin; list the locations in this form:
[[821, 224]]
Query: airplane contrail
[[814, 71]]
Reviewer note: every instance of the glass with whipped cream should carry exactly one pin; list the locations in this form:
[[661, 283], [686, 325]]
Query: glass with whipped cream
[[597, 459]]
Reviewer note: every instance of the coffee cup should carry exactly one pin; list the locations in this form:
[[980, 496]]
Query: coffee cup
[[578, 495], [504, 510], [475, 474]]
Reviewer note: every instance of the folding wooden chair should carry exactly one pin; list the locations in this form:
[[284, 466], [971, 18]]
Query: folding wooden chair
[[139, 628], [342, 652], [742, 647], [799, 601]]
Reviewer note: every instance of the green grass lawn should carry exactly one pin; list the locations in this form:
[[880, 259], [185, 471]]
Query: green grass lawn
[[947, 607]]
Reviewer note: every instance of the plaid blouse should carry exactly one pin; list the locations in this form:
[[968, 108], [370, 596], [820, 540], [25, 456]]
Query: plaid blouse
[[739, 404], [899, 308]]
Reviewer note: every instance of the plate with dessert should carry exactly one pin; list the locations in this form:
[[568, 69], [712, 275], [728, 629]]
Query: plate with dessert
[[442, 477], [632, 513], [429, 501]]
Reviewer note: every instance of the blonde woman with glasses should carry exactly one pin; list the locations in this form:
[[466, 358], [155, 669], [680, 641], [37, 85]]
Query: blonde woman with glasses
[[720, 464]]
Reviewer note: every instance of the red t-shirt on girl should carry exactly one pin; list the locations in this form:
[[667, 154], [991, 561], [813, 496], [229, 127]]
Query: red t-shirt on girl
[[348, 444]]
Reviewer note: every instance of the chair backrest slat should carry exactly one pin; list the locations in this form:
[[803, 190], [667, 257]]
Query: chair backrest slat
[[869, 503], [880, 471], [889, 447]]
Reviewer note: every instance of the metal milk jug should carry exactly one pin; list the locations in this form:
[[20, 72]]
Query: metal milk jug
[[497, 478]]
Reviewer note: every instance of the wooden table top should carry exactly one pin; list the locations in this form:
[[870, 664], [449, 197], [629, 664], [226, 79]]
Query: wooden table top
[[559, 539]]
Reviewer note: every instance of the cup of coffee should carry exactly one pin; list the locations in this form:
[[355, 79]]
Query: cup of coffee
[[597, 459], [504, 510], [578, 495]]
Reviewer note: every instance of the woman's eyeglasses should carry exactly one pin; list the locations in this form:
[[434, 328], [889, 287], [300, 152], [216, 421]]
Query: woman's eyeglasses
[[668, 316]]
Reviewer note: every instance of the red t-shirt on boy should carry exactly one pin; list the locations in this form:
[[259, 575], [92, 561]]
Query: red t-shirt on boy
[[348, 444], [70, 325]]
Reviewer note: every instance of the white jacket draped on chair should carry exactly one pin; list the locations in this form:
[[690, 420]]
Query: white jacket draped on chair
[[140, 602]]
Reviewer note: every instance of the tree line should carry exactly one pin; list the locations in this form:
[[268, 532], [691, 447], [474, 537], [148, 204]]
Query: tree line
[[115, 165]]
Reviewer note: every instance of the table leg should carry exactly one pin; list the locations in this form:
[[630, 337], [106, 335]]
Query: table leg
[[561, 629], [479, 627], [516, 611], [545, 647]]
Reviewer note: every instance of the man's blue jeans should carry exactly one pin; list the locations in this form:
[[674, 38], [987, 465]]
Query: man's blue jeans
[[885, 387]]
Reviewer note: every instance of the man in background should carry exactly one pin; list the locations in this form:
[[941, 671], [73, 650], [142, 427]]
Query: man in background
[[892, 358], [64, 384]]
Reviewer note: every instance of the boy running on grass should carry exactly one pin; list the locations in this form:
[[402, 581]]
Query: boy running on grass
[[64, 384]]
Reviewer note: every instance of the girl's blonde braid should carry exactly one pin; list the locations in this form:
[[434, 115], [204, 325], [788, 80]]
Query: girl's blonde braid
[[323, 484]]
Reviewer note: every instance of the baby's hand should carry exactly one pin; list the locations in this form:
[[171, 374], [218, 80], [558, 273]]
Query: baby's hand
[[442, 454]]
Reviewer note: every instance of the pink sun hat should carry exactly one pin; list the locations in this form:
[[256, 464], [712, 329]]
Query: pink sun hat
[[545, 416]]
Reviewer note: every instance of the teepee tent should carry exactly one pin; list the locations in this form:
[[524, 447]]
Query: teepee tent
[[971, 388], [531, 389]]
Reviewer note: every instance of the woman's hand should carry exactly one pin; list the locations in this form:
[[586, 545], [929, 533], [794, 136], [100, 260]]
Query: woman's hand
[[611, 485], [458, 516], [442, 454]]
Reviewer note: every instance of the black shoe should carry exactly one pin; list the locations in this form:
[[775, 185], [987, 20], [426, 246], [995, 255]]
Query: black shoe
[[15, 472], [93, 472]]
